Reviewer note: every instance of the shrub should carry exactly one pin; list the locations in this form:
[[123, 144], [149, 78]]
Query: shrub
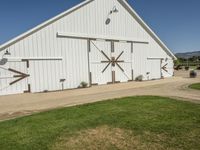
[[176, 67], [187, 67], [83, 84], [139, 78], [179, 67], [193, 74], [198, 67]]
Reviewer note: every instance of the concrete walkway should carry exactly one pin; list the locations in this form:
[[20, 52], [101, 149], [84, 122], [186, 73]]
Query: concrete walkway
[[24, 104]]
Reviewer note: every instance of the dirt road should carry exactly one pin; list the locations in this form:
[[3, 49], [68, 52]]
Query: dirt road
[[24, 104]]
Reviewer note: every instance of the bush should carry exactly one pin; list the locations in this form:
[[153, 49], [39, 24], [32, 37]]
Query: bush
[[198, 67], [179, 67], [193, 74], [139, 78], [83, 84], [187, 67]]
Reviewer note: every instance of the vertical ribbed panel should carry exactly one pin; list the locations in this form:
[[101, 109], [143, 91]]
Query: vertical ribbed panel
[[153, 69]]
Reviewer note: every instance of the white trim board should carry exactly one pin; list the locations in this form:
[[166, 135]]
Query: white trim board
[[33, 58], [111, 38], [159, 58]]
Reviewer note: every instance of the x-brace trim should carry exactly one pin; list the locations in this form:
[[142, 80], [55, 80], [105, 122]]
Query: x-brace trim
[[20, 76], [165, 67], [114, 61]]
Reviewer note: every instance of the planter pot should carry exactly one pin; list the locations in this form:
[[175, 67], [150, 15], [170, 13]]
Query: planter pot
[[193, 74]]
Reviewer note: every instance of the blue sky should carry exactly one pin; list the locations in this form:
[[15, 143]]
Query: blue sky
[[176, 22]]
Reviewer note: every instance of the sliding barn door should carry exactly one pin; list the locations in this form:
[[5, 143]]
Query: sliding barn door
[[154, 69], [122, 54], [100, 68], [110, 62], [167, 67]]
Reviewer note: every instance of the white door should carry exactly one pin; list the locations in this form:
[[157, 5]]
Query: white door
[[140, 63], [45, 75], [100, 67], [13, 78], [122, 54], [154, 69], [167, 68], [110, 62]]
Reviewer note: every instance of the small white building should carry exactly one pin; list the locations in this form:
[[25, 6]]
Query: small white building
[[97, 41]]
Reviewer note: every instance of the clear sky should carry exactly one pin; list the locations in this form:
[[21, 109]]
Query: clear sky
[[176, 22]]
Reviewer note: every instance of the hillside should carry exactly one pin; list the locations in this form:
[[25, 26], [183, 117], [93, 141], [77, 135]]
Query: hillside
[[188, 54]]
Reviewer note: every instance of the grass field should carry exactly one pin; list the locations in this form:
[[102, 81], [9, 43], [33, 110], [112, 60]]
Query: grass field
[[128, 123], [195, 86]]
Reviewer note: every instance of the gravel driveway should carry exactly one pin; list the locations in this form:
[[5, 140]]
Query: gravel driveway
[[24, 104]]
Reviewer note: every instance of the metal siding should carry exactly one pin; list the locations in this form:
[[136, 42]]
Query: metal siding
[[41, 79]]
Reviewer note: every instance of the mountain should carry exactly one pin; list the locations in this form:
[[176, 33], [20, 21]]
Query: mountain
[[188, 54]]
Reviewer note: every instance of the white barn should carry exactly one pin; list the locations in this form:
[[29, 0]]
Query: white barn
[[97, 41]]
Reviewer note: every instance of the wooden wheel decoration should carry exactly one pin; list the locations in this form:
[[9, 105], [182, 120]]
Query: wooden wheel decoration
[[113, 61]]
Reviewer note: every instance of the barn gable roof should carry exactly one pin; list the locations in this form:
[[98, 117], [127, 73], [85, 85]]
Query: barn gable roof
[[124, 3]]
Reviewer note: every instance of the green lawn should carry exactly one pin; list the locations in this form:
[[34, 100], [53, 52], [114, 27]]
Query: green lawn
[[127, 123], [195, 86]]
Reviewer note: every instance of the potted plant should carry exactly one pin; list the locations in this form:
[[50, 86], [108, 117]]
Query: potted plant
[[139, 78], [83, 84], [198, 67], [193, 74], [187, 68]]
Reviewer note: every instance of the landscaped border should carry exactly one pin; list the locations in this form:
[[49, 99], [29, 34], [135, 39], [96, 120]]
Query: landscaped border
[[195, 86]]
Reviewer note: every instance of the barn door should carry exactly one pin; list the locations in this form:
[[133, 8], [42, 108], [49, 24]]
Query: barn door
[[154, 70], [110, 62], [46, 75], [167, 67], [14, 78], [100, 53], [122, 54]]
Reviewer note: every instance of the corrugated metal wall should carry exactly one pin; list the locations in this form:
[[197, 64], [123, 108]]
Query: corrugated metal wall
[[73, 67]]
